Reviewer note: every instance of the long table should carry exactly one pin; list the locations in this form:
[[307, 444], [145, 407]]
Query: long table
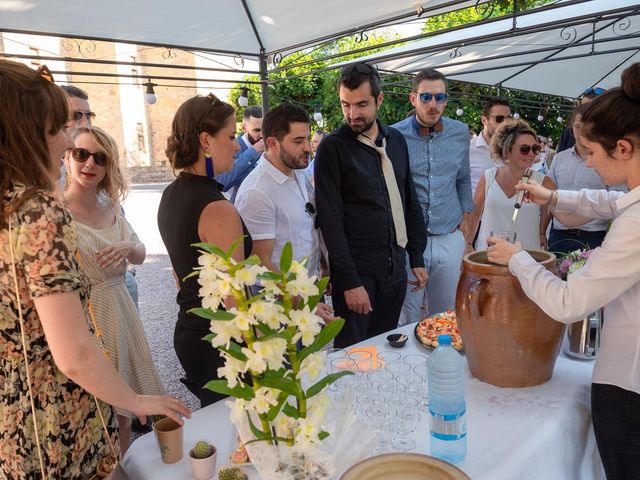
[[536, 433]]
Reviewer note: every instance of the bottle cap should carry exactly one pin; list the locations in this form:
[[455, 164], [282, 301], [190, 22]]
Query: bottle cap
[[444, 339]]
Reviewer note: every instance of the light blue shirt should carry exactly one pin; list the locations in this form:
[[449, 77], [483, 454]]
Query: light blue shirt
[[441, 173]]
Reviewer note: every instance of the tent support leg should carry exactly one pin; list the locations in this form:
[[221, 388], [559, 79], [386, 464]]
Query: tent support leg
[[263, 80]]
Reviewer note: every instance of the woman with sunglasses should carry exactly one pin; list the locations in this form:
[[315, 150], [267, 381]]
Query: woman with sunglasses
[[610, 135], [50, 364], [106, 242], [516, 145], [202, 144]]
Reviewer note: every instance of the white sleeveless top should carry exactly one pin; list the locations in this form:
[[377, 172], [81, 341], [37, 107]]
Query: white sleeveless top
[[498, 211]]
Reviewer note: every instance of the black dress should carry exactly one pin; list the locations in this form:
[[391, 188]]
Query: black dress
[[178, 215]]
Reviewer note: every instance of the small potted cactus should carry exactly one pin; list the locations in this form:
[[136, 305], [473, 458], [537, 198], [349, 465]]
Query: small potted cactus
[[232, 473], [203, 460]]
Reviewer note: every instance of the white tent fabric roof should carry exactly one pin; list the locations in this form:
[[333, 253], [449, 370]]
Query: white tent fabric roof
[[219, 25], [477, 54]]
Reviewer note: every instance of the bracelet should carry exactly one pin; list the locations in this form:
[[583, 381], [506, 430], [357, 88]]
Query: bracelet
[[553, 199]]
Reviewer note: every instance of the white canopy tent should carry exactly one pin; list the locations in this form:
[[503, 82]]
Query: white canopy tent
[[557, 52]]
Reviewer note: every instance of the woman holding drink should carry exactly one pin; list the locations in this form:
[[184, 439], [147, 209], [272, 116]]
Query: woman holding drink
[[610, 134]]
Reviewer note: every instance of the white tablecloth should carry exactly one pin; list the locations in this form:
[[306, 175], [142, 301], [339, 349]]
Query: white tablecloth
[[539, 433]]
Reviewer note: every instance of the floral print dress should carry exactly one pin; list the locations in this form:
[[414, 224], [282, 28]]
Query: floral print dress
[[71, 432]]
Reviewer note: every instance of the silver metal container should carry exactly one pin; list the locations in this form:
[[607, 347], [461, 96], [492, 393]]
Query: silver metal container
[[584, 336]]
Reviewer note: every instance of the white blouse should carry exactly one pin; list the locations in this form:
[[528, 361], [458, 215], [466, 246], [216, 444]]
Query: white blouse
[[611, 278]]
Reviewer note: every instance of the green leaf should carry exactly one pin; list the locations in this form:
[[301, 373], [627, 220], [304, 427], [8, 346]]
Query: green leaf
[[265, 330], [239, 391], [214, 250], [195, 273], [328, 380], [291, 411], [209, 337], [282, 334], [322, 435], [259, 434], [322, 285], [234, 350], [327, 334], [273, 411], [286, 257], [276, 277], [279, 382], [211, 315], [234, 246]]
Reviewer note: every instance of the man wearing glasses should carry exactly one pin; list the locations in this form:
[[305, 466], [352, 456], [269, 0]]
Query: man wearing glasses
[[494, 112], [439, 157], [368, 212], [80, 114]]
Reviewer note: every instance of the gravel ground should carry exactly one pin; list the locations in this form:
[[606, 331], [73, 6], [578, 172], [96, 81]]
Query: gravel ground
[[157, 289]]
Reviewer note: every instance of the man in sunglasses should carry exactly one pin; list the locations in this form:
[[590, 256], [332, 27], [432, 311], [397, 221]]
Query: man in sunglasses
[[80, 114], [439, 157], [494, 112], [567, 140], [368, 212]]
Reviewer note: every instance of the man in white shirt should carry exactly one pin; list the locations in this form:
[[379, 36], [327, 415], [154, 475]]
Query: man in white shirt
[[276, 199], [494, 112]]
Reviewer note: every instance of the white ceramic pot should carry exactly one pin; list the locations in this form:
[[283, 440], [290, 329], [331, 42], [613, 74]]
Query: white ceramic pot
[[204, 468]]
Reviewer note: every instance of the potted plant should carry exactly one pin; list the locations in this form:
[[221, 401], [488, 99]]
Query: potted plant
[[203, 460], [232, 473]]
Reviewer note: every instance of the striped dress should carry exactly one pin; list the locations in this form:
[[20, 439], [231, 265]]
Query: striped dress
[[114, 310]]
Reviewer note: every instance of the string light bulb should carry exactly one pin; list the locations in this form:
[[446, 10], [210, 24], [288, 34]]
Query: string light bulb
[[243, 99], [150, 94]]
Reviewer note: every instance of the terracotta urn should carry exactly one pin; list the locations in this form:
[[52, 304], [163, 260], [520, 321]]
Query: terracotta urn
[[509, 341]]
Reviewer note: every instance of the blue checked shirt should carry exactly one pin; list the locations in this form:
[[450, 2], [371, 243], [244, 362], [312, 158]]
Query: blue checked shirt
[[440, 170]]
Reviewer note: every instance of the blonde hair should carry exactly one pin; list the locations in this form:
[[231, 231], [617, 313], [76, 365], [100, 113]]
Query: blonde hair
[[506, 135], [113, 185]]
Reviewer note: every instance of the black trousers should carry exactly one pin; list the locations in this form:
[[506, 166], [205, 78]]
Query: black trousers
[[199, 360], [565, 241], [616, 423], [386, 294]]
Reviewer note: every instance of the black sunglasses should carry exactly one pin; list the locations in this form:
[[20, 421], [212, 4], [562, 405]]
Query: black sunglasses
[[363, 68], [500, 118], [309, 208], [525, 149], [82, 155], [78, 114], [426, 97]]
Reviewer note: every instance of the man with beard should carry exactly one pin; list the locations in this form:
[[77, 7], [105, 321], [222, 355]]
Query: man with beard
[[494, 112], [439, 156], [276, 199], [368, 212], [251, 148]]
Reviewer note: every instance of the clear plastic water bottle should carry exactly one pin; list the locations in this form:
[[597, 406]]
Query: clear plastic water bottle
[[447, 407]]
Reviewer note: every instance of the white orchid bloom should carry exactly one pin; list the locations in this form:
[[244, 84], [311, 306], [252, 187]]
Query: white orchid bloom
[[264, 399], [231, 370], [313, 365], [225, 330], [302, 287]]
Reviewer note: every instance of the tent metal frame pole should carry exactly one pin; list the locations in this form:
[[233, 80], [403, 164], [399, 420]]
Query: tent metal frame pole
[[615, 68], [130, 64], [155, 77], [264, 81], [432, 34], [131, 42]]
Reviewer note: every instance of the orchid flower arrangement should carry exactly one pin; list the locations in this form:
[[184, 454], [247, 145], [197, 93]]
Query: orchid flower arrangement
[[573, 261], [271, 341]]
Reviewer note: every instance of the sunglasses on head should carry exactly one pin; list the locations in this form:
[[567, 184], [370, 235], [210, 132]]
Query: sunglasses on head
[[77, 115], [214, 101], [525, 149], [82, 155], [593, 91], [363, 68], [426, 97], [44, 72]]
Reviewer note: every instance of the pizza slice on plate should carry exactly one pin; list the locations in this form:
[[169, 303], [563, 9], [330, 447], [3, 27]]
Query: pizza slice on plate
[[428, 329]]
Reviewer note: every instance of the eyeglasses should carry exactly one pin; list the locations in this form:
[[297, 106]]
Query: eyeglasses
[[525, 149], [500, 118], [426, 97], [77, 115], [214, 100], [45, 73], [309, 208], [82, 155], [361, 67], [593, 91]]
